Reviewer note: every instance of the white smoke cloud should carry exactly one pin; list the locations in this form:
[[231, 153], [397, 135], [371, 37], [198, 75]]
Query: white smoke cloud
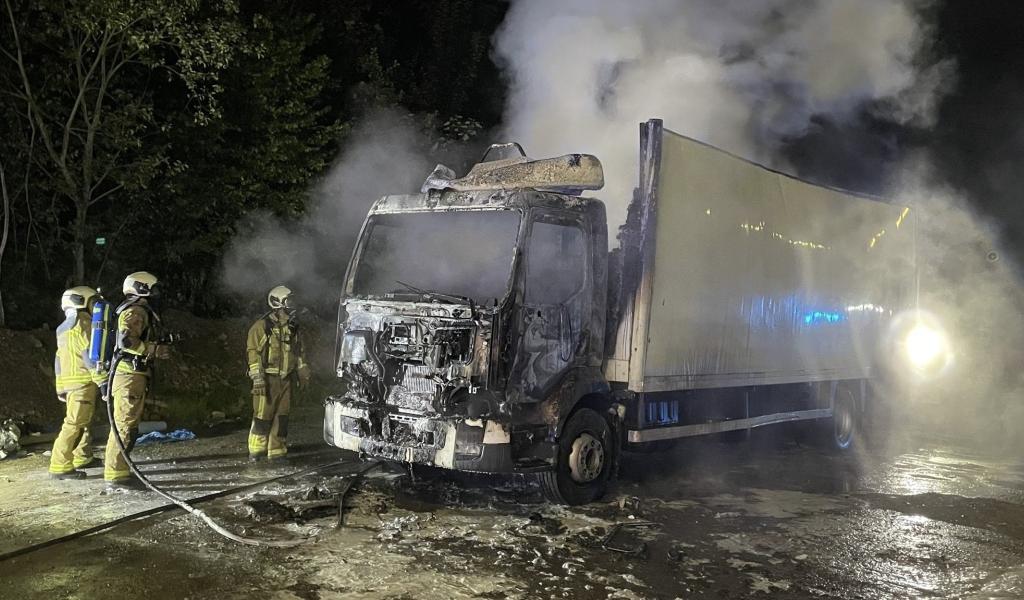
[[384, 154], [976, 293], [739, 75]]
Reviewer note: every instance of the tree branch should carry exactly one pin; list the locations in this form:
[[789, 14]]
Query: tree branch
[[34, 109], [105, 194], [83, 83]]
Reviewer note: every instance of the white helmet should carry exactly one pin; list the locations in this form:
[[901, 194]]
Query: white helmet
[[139, 284], [77, 298], [279, 297]]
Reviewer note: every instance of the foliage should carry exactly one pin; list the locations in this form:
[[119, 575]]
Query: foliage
[[79, 75], [159, 125], [274, 135]]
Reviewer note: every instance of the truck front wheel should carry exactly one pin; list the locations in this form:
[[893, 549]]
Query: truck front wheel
[[585, 459]]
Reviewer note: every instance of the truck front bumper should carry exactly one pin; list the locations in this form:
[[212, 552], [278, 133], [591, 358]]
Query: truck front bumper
[[449, 442]]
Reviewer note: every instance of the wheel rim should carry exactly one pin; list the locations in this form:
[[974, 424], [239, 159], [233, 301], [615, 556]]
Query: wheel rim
[[843, 418], [586, 461]]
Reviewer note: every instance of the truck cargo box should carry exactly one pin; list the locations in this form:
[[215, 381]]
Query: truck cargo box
[[753, 277]]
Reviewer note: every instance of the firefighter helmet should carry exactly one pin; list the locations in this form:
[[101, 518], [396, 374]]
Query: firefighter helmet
[[77, 298], [139, 284], [280, 297]]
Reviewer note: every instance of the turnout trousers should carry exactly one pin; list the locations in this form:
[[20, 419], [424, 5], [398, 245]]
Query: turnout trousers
[[129, 395], [270, 417], [72, 448]]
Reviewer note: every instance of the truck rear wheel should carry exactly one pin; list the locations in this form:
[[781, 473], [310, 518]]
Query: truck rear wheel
[[585, 460], [845, 420]]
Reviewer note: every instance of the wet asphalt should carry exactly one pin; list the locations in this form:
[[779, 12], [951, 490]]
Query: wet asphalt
[[772, 517]]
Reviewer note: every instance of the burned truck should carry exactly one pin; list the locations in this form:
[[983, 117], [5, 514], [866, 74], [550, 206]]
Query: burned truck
[[485, 326]]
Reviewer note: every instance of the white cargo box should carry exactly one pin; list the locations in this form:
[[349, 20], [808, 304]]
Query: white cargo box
[[753, 277]]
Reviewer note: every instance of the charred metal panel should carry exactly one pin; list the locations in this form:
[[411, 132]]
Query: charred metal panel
[[562, 303], [564, 395], [570, 173], [413, 356]]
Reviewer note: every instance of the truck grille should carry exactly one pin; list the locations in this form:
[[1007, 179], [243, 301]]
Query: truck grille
[[406, 419], [415, 380]]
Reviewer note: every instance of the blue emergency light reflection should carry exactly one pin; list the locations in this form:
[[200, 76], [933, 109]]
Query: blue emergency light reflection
[[819, 316], [767, 312]]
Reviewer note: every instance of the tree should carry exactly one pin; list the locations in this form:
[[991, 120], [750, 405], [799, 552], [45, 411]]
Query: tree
[[83, 71], [272, 138], [6, 231]]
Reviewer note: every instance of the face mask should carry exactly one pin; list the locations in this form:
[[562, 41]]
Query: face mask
[[287, 307], [155, 299]]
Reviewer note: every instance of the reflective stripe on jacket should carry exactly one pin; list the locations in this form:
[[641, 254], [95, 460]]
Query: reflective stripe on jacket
[[71, 365], [274, 346]]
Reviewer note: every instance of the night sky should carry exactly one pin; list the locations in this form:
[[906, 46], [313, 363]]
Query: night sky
[[977, 144], [979, 141]]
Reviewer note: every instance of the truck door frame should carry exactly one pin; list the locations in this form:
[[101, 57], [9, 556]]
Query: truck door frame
[[579, 342]]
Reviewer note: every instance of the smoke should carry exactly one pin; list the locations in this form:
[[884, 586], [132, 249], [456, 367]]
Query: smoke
[[971, 285], [759, 79], [386, 153], [743, 76]]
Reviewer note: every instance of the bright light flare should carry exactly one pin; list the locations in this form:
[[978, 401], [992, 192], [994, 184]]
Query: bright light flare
[[925, 345], [918, 346]]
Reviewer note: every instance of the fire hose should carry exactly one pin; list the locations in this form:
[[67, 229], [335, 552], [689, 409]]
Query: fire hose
[[183, 504], [164, 508]]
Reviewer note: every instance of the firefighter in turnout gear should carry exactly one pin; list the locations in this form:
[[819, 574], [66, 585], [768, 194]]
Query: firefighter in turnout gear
[[137, 335], [277, 362], [78, 385]]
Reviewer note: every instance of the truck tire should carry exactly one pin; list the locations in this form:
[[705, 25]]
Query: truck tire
[[585, 460], [845, 420]]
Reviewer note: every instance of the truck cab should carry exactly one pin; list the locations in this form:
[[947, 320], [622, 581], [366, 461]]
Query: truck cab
[[472, 321]]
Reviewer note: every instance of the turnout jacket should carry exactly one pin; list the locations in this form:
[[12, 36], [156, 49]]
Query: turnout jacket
[[275, 346], [71, 366], [136, 334]]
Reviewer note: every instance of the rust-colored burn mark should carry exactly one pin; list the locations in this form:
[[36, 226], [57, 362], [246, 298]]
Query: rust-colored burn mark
[[569, 173], [558, 401]]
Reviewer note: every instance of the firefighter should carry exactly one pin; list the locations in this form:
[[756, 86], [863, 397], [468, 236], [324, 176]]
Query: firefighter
[[277, 362], [78, 385], [137, 343]]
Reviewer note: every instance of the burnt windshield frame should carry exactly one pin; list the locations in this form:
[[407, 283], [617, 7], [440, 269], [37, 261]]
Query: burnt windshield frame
[[364, 236]]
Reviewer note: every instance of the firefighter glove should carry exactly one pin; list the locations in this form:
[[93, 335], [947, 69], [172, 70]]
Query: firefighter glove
[[259, 385], [304, 376], [63, 397], [162, 351]]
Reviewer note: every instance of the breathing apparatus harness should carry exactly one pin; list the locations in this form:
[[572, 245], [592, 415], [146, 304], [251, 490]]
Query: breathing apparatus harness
[[268, 330]]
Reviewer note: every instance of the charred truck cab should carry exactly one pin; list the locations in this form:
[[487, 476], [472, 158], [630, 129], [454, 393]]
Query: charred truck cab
[[473, 319], [484, 326]]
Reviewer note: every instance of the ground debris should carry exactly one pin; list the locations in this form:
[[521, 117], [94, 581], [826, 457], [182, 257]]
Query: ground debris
[[615, 540], [265, 510], [677, 551], [10, 435], [308, 507], [540, 524], [630, 504]]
